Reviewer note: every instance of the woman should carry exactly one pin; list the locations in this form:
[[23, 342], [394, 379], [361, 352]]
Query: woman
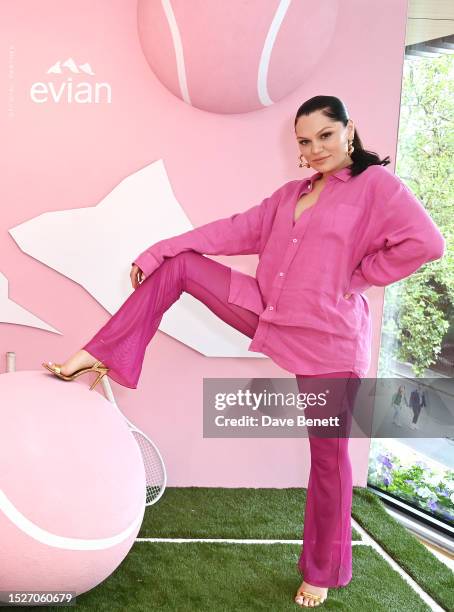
[[321, 242], [396, 403]]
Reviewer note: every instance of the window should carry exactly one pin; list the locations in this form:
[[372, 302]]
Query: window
[[418, 319]]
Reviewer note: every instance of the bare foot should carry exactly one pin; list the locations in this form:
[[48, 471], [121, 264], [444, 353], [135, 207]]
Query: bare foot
[[305, 602], [81, 359]]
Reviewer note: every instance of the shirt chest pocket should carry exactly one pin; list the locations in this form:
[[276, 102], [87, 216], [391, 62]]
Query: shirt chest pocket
[[339, 232]]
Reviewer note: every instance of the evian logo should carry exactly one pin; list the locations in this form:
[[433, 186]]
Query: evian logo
[[71, 91]]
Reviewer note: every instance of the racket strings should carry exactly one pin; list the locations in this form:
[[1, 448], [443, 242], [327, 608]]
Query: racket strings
[[154, 472]]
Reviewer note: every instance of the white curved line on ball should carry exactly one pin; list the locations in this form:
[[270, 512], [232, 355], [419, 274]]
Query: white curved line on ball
[[50, 539], [178, 47], [262, 87]]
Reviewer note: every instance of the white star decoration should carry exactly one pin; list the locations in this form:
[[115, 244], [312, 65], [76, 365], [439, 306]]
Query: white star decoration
[[95, 246], [10, 312]]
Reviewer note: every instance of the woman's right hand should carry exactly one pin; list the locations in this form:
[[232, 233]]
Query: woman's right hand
[[137, 276]]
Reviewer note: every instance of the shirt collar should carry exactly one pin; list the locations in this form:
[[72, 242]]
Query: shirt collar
[[343, 174]]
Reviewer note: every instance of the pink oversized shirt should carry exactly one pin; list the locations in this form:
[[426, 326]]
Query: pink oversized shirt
[[365, 230]]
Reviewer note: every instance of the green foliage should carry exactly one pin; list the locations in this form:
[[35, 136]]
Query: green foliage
[[420, 308], [412, 480]]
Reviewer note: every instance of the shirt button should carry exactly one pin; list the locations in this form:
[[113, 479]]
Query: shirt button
[[270, 307], [281, 274], [295, 239]]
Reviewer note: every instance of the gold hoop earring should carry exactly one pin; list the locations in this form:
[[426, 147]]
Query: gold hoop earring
[[351, 148], [306, 164]]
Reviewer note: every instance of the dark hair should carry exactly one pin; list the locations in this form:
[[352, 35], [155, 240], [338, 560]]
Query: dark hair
[[335, 109]]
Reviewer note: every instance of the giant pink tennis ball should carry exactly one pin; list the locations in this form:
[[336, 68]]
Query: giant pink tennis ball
[[232, 56], [72, 485]]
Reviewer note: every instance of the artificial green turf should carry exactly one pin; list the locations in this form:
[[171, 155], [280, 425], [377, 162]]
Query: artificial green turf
[[433, 576], [199, 577], [211, 512]]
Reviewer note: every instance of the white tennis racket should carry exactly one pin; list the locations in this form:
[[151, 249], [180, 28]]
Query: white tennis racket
[[155, 471]]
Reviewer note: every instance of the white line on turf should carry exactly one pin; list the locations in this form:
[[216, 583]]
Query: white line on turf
[[366, 541], [229, 540], [395, 566]]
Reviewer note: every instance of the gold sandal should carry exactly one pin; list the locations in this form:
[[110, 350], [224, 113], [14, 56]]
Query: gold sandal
[[311, 596], [97, 367]]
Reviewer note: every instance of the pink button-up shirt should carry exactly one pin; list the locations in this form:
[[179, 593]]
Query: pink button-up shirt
[[364, 230]]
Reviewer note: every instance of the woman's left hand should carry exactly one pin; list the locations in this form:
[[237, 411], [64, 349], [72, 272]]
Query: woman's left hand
[[137, 276]]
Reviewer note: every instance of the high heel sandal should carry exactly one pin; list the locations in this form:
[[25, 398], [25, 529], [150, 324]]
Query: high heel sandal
[[312, 597], [98, 367]]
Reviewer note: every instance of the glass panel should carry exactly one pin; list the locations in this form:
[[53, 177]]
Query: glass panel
[[417, 337]]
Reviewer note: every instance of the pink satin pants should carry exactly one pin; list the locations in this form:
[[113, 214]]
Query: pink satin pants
[[121, 343]]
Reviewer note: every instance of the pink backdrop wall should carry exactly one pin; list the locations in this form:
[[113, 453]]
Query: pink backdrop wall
[[63, 156]]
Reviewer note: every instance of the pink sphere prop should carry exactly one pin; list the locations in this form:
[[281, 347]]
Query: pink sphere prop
[[234, 56], [72, 485]]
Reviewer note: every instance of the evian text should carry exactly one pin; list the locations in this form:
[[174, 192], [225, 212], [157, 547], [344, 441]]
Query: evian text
[[67, 91]]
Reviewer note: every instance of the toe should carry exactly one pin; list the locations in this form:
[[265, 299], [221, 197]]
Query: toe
[[301, 601]]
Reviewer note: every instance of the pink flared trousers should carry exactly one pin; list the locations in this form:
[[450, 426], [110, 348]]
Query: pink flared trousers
[[326, 557]]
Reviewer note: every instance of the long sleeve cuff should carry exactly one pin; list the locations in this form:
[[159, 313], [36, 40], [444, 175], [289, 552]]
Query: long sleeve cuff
[[146, 262]]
